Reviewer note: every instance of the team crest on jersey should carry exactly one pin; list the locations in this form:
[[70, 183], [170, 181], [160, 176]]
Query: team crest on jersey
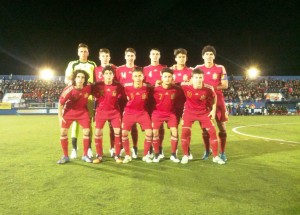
[[203, 97], [189, 94], [114, 93], [144, 96], [215, 76], [86, 95], [172, 96], [131, 95]]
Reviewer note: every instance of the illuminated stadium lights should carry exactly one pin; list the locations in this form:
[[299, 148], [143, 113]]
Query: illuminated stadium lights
[[46, 74], [252, 73]]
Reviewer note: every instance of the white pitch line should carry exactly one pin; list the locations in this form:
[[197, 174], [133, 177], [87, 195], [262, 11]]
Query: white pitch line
[[265, 138]]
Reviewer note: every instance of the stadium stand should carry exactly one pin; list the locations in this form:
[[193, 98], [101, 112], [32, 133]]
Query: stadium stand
[[264, 95]]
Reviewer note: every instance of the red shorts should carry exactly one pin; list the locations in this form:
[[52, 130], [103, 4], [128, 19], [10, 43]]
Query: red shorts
[[221, 112], [158, 118], [189, 118], [142, 118], [113, 116], [82, 117]]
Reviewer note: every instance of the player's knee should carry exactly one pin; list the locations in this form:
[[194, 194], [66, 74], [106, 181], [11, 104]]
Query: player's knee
[[98, 136], [117, 131], [174, 137], [63, 132], [155, 137], [148, 132], [174, 131], [205, 133], [185, 133], [148, 137], [210, 131], [124, 134], [86, 132], [155, 132], [222, 134], [98, 132], [63, 136]]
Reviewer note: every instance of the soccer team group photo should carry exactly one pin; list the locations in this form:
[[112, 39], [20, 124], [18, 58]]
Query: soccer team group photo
[[129, 96]]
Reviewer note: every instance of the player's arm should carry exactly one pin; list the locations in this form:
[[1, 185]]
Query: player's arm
[[69, 74], [65, 96], [122, 98], [60, 113], [96, 87], [93, 78], [224, 81], [212, 113]]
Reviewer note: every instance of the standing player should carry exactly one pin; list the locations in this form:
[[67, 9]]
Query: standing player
[[73, 107], [107, 94], [153, 74], [165, 99], [181, 74], [124, 75], [216, 76], [104, 57], [83, 64], [135, 112], [200, 106]]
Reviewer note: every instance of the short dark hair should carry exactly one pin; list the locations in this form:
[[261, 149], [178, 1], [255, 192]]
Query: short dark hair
[[105, 50], [155, 49], [138, 69], [168, 70], [197, 71], [83, 45], [180, 51], [130, 50], [86, 76], [110, 68], [209, 48]]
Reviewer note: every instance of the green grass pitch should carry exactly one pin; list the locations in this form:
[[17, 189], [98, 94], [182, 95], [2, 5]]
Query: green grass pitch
[[262, 175]]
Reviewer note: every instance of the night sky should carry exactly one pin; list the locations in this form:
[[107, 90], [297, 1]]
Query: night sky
[[41, 33]]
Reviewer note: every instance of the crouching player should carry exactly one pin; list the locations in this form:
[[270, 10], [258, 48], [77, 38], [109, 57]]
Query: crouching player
[[107, 93], [135, 111], [165, 97], [197, 107], [73, 107]]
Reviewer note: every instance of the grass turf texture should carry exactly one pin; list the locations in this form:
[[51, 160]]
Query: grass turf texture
[[260, 177]]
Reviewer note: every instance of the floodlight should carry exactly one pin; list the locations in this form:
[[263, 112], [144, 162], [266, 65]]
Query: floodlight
[[252, 73], [46, 73]]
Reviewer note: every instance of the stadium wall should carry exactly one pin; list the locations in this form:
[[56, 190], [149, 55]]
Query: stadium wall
[[26, 111]]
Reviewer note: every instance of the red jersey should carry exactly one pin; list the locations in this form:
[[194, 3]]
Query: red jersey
[[198, 101], [165, 99], [214, 75], [75, 99], [181, 75], [137, 98], [98, 72], [107, 95], [124, 74], [153, 73]]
